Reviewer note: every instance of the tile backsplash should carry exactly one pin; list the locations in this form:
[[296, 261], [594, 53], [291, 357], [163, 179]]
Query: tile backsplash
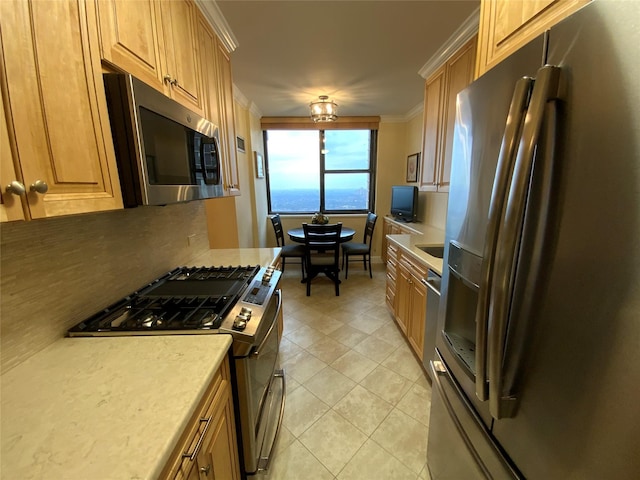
[[56, 272]]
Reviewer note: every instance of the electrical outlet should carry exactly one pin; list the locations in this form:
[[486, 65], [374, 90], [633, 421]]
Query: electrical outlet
[[191, 239]]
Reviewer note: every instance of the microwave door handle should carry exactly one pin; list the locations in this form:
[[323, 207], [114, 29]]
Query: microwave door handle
[[544, 90], [203, 163], [508, 149]]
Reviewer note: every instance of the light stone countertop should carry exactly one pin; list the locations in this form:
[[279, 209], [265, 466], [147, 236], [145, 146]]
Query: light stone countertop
[[238, 256], [429, 236], [104, 408], [113, 407]]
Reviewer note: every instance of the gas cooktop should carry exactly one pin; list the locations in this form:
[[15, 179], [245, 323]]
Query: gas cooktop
[[185, 299]]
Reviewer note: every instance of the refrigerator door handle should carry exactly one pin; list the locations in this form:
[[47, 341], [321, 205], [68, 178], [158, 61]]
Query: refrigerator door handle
[[544, 90], [508, 150]]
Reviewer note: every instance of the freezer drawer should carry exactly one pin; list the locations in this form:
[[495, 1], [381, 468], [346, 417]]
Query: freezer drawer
[[459, 444]]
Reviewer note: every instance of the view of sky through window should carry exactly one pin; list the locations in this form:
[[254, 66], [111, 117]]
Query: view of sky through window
[[295, 170]]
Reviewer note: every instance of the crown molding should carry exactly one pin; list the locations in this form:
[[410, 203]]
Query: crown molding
[[240, 97], [214, 16], [403, 118], [417, 110], [255, 111], [462, 35], [393, 118]]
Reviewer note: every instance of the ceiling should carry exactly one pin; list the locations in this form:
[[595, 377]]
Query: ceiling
[[365, 55]]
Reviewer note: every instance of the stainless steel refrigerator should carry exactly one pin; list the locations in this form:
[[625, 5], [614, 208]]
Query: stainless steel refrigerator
[[537, 366]]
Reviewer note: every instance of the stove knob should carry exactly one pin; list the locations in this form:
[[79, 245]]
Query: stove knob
[[246, 312], [239, 323]]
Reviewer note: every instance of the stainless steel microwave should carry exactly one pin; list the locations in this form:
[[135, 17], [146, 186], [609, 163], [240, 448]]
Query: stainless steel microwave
[[165, 152]]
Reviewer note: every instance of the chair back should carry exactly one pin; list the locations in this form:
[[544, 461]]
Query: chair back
[[369, 226], [277, 228], [322, 238]]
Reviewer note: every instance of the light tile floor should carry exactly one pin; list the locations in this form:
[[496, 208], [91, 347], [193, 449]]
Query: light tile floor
[[357, 399]]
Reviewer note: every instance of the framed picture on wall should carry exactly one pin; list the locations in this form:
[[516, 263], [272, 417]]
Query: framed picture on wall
[[412, 167], [240, 143], [259, 164]]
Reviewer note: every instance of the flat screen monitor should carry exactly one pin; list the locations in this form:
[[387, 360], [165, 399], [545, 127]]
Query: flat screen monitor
[[404, 202]]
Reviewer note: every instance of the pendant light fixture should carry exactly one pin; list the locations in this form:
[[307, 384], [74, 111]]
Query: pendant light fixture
[[324, 110]]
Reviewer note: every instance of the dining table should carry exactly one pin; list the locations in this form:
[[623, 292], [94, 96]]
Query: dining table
[[297, 234]]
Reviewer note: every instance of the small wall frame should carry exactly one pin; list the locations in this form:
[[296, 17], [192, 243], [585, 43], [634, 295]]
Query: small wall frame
[[259, 164], [413, 161], [240, 144]]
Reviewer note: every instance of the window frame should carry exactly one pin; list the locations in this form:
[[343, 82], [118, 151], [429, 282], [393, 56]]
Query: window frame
[[371, 171]]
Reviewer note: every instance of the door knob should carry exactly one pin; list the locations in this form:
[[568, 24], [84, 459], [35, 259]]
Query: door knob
[[15, 188], [39, 186]]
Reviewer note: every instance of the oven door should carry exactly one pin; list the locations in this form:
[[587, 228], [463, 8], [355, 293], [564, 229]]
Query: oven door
[[261, 392]]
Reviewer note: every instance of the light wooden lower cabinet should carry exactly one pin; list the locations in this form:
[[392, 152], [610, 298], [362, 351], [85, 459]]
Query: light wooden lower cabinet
[[392, 261], [208, 448], [410, 299], [393, 227]]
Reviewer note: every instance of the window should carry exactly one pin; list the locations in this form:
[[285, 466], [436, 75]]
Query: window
[[329, 171]]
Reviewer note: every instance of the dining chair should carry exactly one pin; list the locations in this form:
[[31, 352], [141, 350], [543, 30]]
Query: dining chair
[[287, 251], [360, 249], [322, 252]]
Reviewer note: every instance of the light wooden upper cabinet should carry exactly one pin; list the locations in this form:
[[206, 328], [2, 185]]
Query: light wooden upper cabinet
[[507, 25], [227, 121], [218, 101], [156, 42], [57, 109], [441, 89], [11, 206], [434, 95], [129, 38], [208, 51], [181, 50]]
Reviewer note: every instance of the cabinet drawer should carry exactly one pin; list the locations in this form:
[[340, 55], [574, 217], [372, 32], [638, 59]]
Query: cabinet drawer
[[180, 466], [415, 268], [390, 294]]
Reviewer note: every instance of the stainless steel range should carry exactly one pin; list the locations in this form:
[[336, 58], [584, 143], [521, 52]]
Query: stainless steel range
[[244, 302]]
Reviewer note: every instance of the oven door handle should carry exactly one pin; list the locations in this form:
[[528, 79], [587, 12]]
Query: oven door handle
[[264, 463], [274, 323]]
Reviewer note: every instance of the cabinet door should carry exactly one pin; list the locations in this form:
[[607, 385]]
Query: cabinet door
[[129, 38], [218, 457], [209, 70], [506, 25], [181, 51], [434, 96], [418, 309], [11, 207], [58, 106], [459, 74], [403, 295], [227, 121]]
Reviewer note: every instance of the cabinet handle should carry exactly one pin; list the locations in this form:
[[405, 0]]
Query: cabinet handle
[[174, 82], [15, 188], [167, 78], [191, 456], [205, 470], [39, 186]]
